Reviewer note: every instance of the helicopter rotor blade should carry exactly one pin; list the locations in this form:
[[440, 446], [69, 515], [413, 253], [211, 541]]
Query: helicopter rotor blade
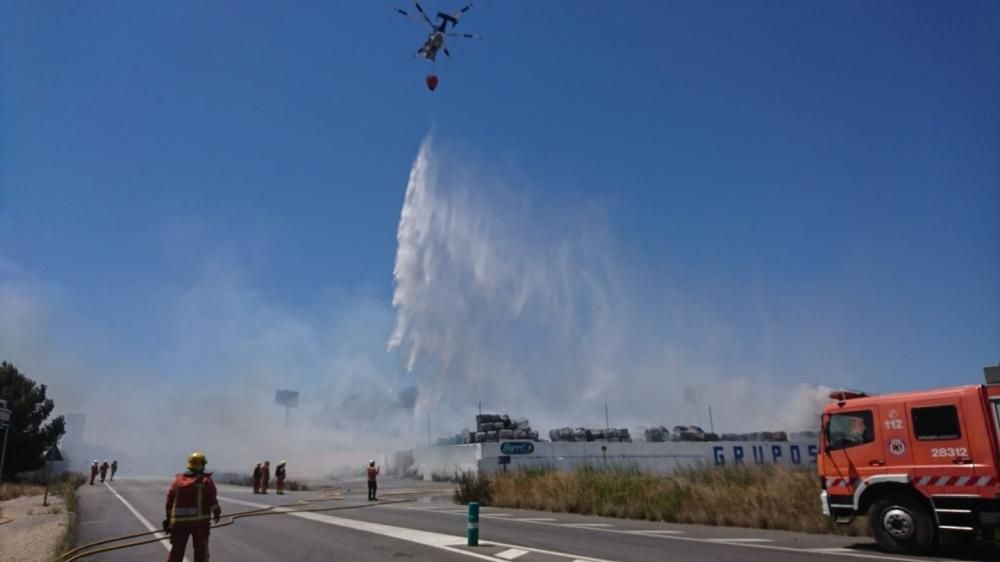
[[465, 35], [423, 13], [458, 13], [413, 17]]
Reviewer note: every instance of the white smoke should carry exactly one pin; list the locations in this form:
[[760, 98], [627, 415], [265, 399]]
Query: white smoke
[[496, 301], [527, 306]]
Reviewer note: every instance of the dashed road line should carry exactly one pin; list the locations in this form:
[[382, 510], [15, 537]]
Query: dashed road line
[[740, 540], [511, 554], [586, 525]]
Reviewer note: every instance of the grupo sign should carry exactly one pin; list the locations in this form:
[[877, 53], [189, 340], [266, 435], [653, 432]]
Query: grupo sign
[[765, 453], [517, 447]]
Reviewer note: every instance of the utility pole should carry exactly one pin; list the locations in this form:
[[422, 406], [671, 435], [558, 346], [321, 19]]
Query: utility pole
[[711, 423], [607, 422], [5, 424], [428, 429], [3, 452], [480, 407]]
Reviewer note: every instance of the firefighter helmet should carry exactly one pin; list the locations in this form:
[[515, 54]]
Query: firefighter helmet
[[196, 461]]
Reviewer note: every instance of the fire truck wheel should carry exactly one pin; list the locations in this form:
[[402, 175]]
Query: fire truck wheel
[[901, 524]]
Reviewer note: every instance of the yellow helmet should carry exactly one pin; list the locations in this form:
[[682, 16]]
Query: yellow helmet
[[196, 461]]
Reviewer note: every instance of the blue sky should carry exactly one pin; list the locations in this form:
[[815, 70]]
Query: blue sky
[[835, 165]]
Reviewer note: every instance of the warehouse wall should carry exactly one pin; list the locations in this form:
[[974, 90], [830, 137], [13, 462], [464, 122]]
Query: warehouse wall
[[661, 458]]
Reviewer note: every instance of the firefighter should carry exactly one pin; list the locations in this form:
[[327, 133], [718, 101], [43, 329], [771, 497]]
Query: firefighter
[[265, 476], [372, 482], [256, 478], [279, 474], [191, 501], [104, 470], [114, 469], [93, 472]]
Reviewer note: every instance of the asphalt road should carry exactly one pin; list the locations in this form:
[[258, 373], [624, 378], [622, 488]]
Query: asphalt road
[[427, 528]]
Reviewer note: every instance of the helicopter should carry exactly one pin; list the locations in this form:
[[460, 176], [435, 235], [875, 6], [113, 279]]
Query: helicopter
[[435, 40]]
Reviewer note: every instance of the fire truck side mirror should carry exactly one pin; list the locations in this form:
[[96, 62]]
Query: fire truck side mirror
[[992, 374], [824, 444]]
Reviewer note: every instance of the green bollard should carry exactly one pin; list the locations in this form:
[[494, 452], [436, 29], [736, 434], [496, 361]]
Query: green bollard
[[473, 531]]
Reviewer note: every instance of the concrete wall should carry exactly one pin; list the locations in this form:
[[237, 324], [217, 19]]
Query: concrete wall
[[660, 458]]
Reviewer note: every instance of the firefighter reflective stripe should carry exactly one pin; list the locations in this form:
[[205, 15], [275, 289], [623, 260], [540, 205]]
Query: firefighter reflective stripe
[[191, 519], [961, 481], [986, 481], [188, 514]]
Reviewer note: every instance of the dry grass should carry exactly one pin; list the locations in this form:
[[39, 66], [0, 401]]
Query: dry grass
[[9, 491], [66, 487], [765, 497]]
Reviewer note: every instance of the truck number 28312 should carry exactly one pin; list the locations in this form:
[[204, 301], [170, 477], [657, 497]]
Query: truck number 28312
[[949, 452]]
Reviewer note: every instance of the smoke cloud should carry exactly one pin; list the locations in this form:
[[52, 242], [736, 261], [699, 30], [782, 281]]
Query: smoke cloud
[[497, 301], [528, 306]]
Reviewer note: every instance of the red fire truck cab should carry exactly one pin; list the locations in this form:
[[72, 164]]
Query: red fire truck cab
[[921, 466]]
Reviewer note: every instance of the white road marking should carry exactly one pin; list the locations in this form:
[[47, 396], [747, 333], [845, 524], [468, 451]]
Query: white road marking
[[655, 532], [145, 522], [496, 515], [511, 553], [451, 543], [739, 540], [533, 519], [585, 525], [674, 537]]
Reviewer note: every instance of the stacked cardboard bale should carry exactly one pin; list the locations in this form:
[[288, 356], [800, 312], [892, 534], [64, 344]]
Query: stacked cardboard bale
[[497, 427], [582, 434], [658, 434], [756, 436]]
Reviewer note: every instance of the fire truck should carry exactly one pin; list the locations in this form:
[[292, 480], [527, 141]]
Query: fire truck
[[924, 467]]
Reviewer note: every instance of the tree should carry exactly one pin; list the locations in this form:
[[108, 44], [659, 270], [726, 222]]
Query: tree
[[29, 439]]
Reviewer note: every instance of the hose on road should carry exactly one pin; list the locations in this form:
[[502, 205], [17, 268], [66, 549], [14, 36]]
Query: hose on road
[[98, 548]]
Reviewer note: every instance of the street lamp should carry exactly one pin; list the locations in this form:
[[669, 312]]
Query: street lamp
[[288, 399]]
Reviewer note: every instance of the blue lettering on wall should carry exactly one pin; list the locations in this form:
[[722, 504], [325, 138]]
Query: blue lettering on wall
[[796, 454], [738, 454], [717, 454], [776, 453], [758, 454], [813, 451]]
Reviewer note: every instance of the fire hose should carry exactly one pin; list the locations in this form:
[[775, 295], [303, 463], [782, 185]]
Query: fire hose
[[99, 547]]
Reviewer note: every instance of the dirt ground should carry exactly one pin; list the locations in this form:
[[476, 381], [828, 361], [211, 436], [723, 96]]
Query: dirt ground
[[35, 531]]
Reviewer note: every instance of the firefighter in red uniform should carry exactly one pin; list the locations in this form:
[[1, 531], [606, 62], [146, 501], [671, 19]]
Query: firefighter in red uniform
[[256, 478], [93, 472], [372, 480], [265, 477], [191, 502], [104, 470], [279, 475]]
